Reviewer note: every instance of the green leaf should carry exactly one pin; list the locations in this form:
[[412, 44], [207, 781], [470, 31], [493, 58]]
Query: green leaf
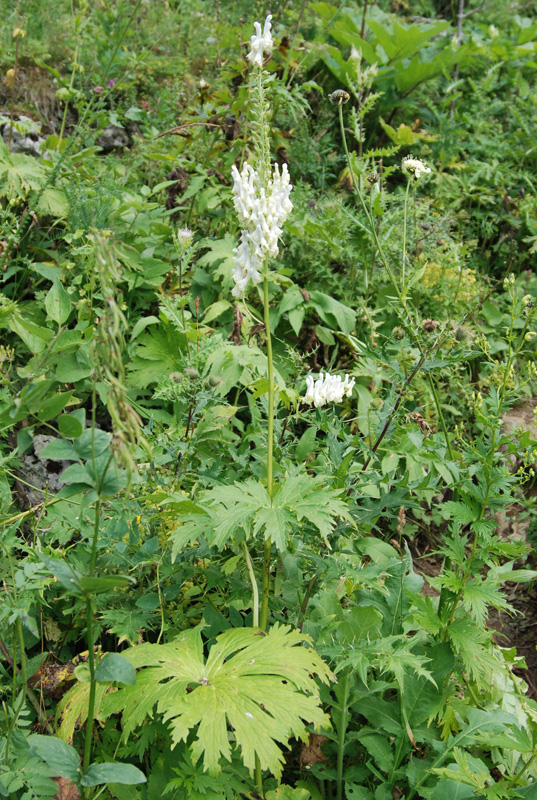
[[70, 426], [305, 444], [114, 668], [77, 474], [112, 772], [288, 793], [360, 622], [64, 572], [59, 450], [53, 406], [261, 685], [58, 303], [332, 312], [92, 443], [62, 759], [104, 583]]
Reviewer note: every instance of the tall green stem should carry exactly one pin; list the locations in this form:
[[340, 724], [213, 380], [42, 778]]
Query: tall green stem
[[404, 235], [270, 454], [90, 643], [341, 732]]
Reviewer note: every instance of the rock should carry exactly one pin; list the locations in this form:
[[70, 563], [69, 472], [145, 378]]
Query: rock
[[25, 136], [42, 475], [113, 137]]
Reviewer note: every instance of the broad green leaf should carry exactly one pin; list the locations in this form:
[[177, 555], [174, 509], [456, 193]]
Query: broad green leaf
[[53, 406], [92, 443], [259, 684], [59, 450], [64, 572], [62, 759], [103, 583], [70, 426], [305, 444], [360, 622], [332, 312], [112, 772], [114, 668], [58, 303]]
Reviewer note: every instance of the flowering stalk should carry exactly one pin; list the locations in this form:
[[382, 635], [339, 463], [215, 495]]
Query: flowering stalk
[[261, 199]]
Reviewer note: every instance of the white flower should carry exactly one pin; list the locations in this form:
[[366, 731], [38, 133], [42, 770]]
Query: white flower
[[415, 167], [260, 43], [327, 389], [261, 213], [184, 237]]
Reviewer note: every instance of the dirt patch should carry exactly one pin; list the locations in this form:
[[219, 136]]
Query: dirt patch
[[520, 631]]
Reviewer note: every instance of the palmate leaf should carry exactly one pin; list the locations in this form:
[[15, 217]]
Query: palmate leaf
[[258, 685], [299, 498]]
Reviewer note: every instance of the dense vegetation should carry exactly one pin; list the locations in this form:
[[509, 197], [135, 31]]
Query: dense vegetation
[[268, 322]]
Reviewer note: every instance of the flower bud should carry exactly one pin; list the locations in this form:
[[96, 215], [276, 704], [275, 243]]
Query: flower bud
[[339, 96], [192, 373], [463, 334], [530, 336]]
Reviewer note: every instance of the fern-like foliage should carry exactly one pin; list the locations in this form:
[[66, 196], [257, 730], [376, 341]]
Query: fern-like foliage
[[258, 685], [246, 505]]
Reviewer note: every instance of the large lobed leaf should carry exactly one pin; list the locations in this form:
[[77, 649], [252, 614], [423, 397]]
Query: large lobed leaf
[[299, 498], [260, 686]]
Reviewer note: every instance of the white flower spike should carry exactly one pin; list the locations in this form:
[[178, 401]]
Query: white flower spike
[[262, 214], [327, 389], [260, 42], [415, 167]]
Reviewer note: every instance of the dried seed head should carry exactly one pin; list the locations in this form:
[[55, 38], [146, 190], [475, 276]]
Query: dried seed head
[[339, 97], [373, 177], [430, 325]]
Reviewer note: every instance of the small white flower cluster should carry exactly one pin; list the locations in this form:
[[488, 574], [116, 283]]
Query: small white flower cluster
[[260, 42], [327, 389], [415, 167], [261, 213], [184, 237]]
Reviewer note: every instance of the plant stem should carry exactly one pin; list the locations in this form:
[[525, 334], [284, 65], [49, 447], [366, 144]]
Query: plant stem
[[342, 730], [404, 234], [90, 643], [253, 581], [440, 414], [270, 454]]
